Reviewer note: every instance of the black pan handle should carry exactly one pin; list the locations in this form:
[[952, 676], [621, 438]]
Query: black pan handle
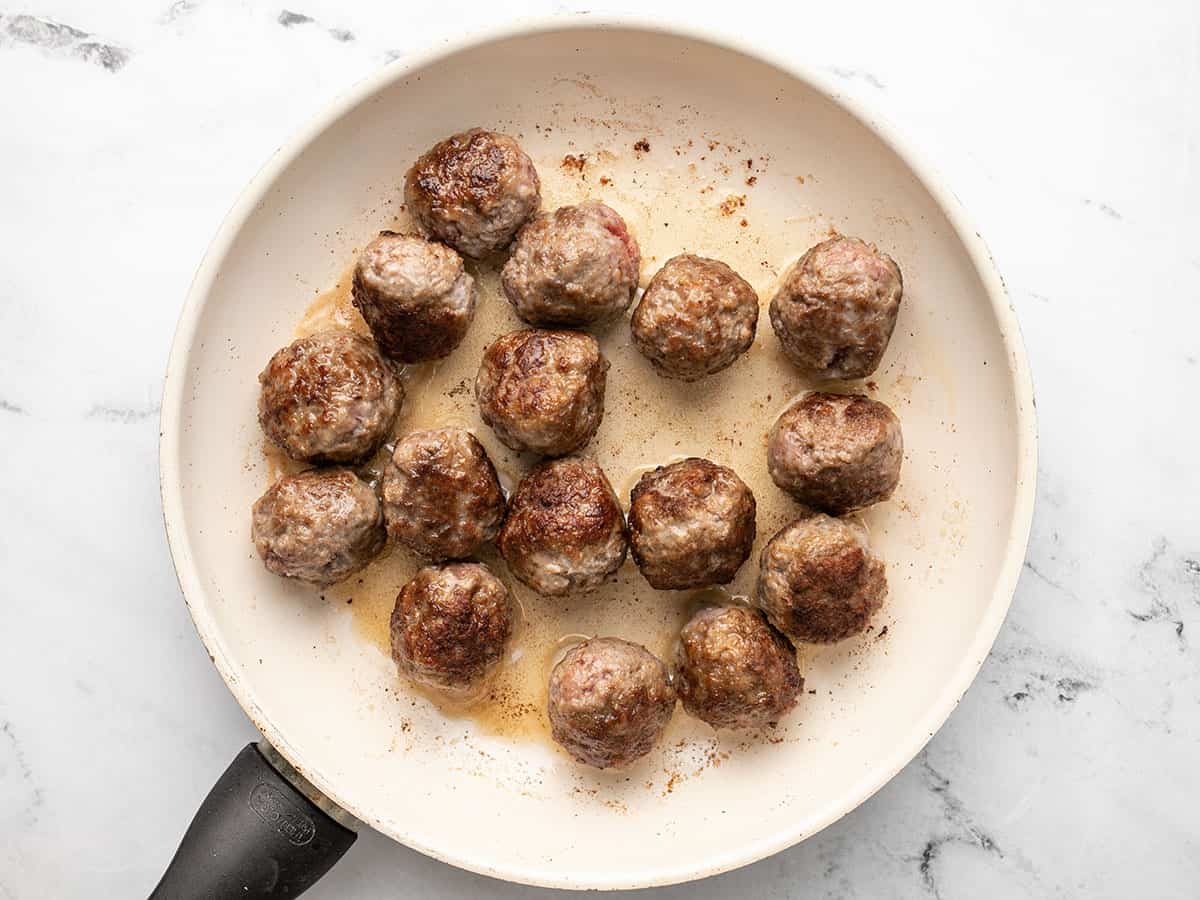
[[256, 836]]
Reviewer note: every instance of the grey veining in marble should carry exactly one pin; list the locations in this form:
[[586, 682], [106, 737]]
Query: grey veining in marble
[[57, 38], [1069, 131]]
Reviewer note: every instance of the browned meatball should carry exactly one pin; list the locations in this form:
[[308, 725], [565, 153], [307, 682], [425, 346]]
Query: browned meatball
[[610, 702], [818, 580], [565, 530], [441, 496], [836, 307], [318, 526], [836, 452], [329, 397], [542, 391], [416, 295], [578, 265], [473, 191], [450, 626], [696, 317], [691, 524], [733, 670]]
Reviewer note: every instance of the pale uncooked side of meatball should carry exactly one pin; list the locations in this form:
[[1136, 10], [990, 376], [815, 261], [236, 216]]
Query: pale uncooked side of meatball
[[691, 524], [576, 266], [415, 295], [565, 531], [610, 701], [450, 626], [734, 670], [329, 398], [441, 496], [473, 191], [836, 452], [836, 307], [318, 526], [818, 580], [696, 317], [542, 391]]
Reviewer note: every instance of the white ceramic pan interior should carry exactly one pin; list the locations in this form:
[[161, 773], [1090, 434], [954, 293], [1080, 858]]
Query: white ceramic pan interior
[[748, 161]]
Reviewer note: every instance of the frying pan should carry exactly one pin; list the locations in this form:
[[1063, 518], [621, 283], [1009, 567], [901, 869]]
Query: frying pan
[[703, 146]]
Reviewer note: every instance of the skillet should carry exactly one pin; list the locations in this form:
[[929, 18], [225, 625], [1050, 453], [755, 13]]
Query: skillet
[[678, 123]]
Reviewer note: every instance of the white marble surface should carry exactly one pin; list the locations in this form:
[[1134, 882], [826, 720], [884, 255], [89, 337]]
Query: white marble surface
[[1069, 130]]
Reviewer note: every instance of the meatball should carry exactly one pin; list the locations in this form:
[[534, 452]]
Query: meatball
[[576, 266], [691, 524], [542, 391], [565, 530], [818, 580], [836, 307], [836, 452], [473, 191], [319, 526], [450, 626], [441, 496], [733, 670], [329, 397], [610, 702], [696, 317], [415, 295]]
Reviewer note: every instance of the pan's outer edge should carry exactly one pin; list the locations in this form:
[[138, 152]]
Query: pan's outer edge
[[1025, 487]]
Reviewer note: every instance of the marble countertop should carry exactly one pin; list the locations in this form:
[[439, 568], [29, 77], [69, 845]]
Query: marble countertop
[[1068, 130]]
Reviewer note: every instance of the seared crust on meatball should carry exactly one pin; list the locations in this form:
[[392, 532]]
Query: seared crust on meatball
[[818, 580], [836, 452], [836, 307], [473, 191], [565, 530], [329, 397], [441, 496], [542, 391], [576, 266], [610, 702], [696, 317], [318, 526], [733, 670], [415, 295], [691, 524], [450, 626]]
